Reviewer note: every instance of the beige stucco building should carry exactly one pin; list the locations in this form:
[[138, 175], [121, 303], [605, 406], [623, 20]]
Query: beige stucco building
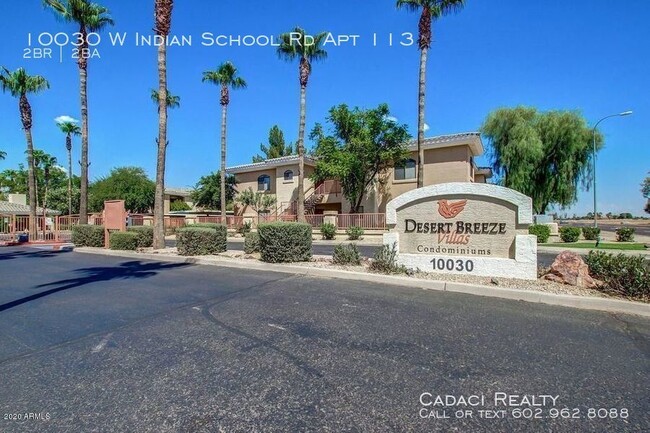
[[448, 158]]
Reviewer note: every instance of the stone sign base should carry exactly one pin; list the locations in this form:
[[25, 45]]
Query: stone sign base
[[523, 266]]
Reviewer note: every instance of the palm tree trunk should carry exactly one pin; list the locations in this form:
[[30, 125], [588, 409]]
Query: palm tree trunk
[[224, 116], [159, 202], [69, 148], [301, 154], [83, 199], [32, 184], [421, 105]]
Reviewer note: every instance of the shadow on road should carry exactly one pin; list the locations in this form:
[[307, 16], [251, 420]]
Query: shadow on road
[[27, 253], [125, 271]]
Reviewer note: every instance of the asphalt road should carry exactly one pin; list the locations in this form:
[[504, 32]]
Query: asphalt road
[[543, 259], [95, 343]]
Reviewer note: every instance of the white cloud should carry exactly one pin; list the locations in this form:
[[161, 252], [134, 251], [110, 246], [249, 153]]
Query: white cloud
[[65, 119], [392, 119], [426, 127]]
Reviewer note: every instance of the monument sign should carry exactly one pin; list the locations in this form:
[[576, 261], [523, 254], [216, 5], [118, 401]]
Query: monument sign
[[464, 228]]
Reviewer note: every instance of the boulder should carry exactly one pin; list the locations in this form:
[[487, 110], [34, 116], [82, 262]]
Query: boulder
[[570, 268]]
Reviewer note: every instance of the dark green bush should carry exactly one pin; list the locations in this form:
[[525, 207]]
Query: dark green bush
[[591, 233], [543, 232], [145, 235], [570, 234], [285, 242], [625, 234], [85, 235], [621, 274], [124, 241], [245, 228], [346, 255], [385, 261], [354, 233], [328, 230], [201, 241], [252, 243]]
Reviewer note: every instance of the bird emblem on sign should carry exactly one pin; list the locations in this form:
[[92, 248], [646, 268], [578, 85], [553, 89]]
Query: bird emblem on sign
[[450, 210]]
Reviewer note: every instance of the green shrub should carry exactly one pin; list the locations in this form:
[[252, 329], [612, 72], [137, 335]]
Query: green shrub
[[543, 232], [385, 261], [204, 225], [625, 234], [201, 241], [285, 242], [245, 228], [354, 233], [85, 235], [252, 243], [346, 255], [621, 274], [328, 230], [124, 241], [145, 235], [570, 234], [591, 233]]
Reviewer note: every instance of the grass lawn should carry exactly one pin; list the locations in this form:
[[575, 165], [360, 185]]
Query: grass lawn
[[603, 245]]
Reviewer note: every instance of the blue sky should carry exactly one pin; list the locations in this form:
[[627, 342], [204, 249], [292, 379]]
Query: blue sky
[[587, 55]]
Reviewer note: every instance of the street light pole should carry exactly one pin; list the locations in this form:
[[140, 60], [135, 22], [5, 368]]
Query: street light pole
[[625, 113]]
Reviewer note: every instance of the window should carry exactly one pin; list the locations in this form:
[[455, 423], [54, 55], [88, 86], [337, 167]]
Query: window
[[288, 176], [405, 171], [264, 183]]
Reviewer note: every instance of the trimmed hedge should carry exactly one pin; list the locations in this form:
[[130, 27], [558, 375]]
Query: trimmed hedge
[[85, 235], [252, 243], [124, 241], [570, 234], [201, 241], [625, 234], [204, 225], [346, 255], [621, 274], [591, 233], [543, 232], [328, 230], [354, 233], [145, 235], [282, 242]]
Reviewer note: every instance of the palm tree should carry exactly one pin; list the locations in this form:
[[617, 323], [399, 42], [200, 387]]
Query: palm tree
[[226, 77], [69, 129], [20, 84], [3, 155], [91, 18], [431, 10], [298, 45], [163, 22], [173, 101]]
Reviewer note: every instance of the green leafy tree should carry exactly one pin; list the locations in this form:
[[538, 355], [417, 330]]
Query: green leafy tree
[[130, 184], [430, 11], [89, 18], [207, 192], [162, 25], [298, 45], [226, 76], [362, 145], [276, 146], [179, 206], [70, 129], [258, 201], [645, 190], [543, 155], [173, 101], [20, 84]]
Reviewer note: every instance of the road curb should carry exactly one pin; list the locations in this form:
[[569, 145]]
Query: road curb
[[537, 297]]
